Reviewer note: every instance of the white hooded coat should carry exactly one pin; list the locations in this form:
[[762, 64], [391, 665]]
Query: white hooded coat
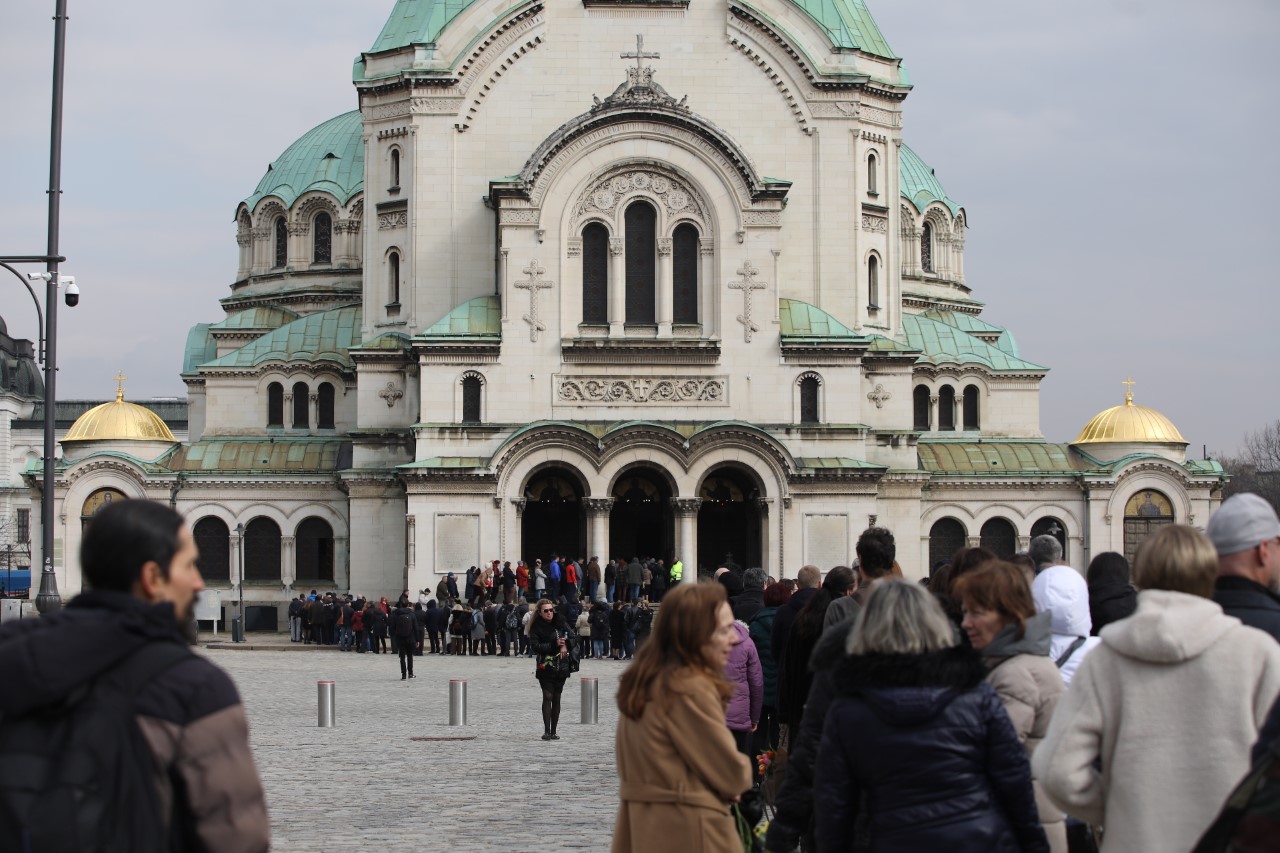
[[1062, 592]]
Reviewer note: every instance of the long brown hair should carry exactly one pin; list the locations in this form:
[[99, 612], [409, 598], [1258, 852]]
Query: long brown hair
[[686, 620]]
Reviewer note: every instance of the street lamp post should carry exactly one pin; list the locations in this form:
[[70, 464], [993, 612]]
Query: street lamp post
[[238, 636]]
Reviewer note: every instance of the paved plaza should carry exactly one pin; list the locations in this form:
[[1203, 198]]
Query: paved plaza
[[368, 785]]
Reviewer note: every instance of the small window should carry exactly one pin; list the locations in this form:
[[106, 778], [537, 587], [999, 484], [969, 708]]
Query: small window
[[322, 239], [393, 279], [395, 168], [595, 274], [300, 407], [873, 282], [471, 400], [282, 243], [971, 407], [871, 174], [24, 526], [920, 401], [947, 408], [325, 398], [275, 405], [809, 400], [926, 247]]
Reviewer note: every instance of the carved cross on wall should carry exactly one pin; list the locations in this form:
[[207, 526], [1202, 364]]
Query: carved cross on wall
[[533, 285], [640, 54], [746, 285]]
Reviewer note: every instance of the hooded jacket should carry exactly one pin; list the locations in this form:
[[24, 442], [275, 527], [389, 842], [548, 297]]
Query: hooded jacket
[[1110, 601], [926, 745], [190, 713], [743, 669], [1061, 592], [760, 628], [1169, 704]]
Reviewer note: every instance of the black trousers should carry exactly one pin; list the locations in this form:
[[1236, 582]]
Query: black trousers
[[405, 650]]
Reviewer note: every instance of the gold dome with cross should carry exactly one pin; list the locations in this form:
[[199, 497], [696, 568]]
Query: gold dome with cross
[[1129, 424], [119, 421]]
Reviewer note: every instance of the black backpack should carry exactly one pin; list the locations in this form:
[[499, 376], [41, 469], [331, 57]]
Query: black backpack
[[406, 625], [513, 619], [77, 774]]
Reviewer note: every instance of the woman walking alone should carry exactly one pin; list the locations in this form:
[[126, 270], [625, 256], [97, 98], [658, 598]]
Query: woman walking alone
[[549, 640]]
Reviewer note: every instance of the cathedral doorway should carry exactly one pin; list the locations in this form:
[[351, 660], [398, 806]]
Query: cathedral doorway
[[553, 518], [728, 521], [642, 522], [1144, 514]]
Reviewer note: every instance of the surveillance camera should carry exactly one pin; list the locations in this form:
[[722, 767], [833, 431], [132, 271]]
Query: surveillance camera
[[72, 294]]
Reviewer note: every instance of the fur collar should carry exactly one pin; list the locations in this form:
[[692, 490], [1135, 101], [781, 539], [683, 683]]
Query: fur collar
[[957, 668]]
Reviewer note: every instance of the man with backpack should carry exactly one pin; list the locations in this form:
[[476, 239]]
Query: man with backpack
[[404, 627], [110, 683]]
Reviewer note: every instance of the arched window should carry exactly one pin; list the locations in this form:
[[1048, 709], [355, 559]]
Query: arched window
[[471, 400], [971, 407], [1052, 527], [873, 282], [945, 538], [275, 405], [871, 174], [262, 550], [920, 404], [1000, 537], [684, 271], [395, 168], [947, 408], [641, 234], [1144, 514], [324, 401], [300, 407], [322, 239], [97, 501], [393, 280], [213, 540], [282, 243], [313, 542], [809, 400], [595, 274], [926, 247]]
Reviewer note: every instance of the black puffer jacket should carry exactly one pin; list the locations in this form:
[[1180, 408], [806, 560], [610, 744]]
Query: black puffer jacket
[[928, 745], [1110, 601], [543, 639]]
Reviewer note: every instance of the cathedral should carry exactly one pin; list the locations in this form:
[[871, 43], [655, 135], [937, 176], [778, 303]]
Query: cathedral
[[612, 278]]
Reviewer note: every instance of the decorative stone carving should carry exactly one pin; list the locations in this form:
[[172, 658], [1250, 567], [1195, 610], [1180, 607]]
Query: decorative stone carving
[[598, 506], [626, 391], [387, 221], [875, 115], [687, 506], [617, 246], [519, 216], [762, 217], [605, 195], [875, 224], [535, 283], [640, 89], [391, 394], [747, 284], [573, 248], [879, 396], [664, 245], [296, 228]]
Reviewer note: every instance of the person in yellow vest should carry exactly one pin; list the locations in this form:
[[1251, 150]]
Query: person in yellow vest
[[677, 571]]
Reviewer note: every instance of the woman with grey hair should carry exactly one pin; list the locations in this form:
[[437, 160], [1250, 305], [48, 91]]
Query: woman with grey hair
[[919, 739]]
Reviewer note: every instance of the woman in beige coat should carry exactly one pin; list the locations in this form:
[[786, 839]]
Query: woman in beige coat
[[679, 767], [1002, 625]]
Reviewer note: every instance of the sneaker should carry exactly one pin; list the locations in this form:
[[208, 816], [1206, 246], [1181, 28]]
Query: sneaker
[[554, 736], [547, 736], [403, 676], [411, 675]]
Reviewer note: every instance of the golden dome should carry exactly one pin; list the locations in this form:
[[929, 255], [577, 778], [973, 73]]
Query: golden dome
[[119, 421], [1130, 424]]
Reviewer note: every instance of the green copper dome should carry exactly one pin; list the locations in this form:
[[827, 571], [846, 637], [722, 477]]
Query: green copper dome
[[329, 157], [918, 184]]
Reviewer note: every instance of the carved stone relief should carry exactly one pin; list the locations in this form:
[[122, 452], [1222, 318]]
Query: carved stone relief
[[393, 220], [875, 224], [625, 391], [608, 192], [391, 394], [879, 396]]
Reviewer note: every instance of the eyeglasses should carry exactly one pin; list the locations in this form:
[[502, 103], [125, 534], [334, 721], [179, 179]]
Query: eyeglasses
[[547, 610]]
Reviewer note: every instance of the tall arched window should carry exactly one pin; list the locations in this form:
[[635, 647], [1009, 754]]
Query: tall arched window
[[641, 234], [947, 408], [595, 274], [262, 550], [971, 407], [920, 405], [871, 174], [809, 400], [275, 405], [946, 536], [301, 419], [395, 168], [282, 242], [926, 247], [322, 239], [873, 282], [1000, 537], [213, 540], [393, 279], [471, 400], [313, 541], [1052, 527], [684, 270], [324, 405]]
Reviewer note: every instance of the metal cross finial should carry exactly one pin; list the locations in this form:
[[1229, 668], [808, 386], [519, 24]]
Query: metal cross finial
[[746, 285], [533, 285], [1128, 391], [640, 53], [120, 380]]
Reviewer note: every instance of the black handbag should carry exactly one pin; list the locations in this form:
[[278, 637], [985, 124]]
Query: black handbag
[[568, 664]]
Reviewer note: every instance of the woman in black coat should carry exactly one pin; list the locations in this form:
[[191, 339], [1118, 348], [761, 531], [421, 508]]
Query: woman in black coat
[[1111, 595], [548, 638], [918, 739], [617, 631]]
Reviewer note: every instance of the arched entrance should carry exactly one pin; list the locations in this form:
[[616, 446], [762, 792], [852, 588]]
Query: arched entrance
[[945, 538], [728, 520], [553, 518], [1000, 537], [642, 523], [1144, 514]]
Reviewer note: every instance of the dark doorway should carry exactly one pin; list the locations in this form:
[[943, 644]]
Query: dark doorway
[[728, 521], [1000, 537], [642, 523], [945, 538], [1053, 527], [553, 518]]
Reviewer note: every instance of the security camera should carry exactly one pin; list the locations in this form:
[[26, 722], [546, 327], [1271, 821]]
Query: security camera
[[72, 293]]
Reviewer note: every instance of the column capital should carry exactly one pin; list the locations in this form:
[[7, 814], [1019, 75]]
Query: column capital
[[598, 506], [519, 504], [686, 506]]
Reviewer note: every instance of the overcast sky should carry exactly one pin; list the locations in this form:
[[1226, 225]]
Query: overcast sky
[[1117, 160]]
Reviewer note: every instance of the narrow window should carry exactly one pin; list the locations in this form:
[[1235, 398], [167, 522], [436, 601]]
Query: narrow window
[[395, 168], [393, 279], [947, 408], [24, 526], [313, 550], [642, 262], [871, 174], [213, 540], [325, 399], [971, 407], [300, 406], [920, 401], [262, 550], [282, 242], [322, 239], [873, 282], [926, 247], [471, 400], [809, 400], [684, 272], [275, 405], [595, 274]]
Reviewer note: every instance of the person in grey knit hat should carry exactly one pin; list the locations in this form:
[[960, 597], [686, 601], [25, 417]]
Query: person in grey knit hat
[[1246, 533]]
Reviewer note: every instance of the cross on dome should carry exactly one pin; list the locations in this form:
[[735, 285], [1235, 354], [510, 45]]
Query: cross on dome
[[640, 54], [120, 380]]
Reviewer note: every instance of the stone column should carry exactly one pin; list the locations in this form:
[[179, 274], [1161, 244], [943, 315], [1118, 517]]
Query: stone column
[[410, 545], [313, 408], [707, 315], [299, 250], [598, 510], [617, 286], [933, 406], [665, 282], [341, 563], [288, 565], [687, 510], [762, 505]]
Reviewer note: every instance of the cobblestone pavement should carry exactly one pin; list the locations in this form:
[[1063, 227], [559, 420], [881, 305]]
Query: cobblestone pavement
[[367, 786]]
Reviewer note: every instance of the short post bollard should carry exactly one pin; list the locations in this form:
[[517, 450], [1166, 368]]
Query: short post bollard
[[590, 701], [325, 710], [457, 701]]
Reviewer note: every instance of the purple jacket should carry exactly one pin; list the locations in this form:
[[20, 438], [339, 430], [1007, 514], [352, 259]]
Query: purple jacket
[[743, 669]]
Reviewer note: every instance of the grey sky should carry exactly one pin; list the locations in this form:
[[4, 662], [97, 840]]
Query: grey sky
[[1116, 159]]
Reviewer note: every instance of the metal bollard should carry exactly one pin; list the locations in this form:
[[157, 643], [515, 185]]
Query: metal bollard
[[326, 717], [590, 701], [457, 701]]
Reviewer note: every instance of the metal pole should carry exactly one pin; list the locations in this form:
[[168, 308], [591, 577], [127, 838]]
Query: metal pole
[[590, 701], [457, 701], [48, 600], [326, 716], [237, 629]]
